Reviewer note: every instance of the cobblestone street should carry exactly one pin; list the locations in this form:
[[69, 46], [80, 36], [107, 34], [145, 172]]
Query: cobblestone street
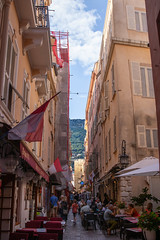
[[78, 232]]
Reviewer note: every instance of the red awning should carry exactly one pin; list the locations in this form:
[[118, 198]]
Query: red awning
[[27, 156]]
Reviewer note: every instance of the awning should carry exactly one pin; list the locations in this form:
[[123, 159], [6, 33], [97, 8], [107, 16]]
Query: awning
[[147, 161], [30, 159], [146, 167]]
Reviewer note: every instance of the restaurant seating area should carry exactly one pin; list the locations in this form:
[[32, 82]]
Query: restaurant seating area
[[41, 228]]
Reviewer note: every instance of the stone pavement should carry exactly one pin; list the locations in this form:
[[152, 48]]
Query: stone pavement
[[78, 232]]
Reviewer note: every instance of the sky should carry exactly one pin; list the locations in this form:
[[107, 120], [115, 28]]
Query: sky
[[84, 20]]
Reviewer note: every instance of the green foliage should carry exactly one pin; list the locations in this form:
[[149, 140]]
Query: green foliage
[[121, 205], [77, 138], [149, 221], [143, 197]]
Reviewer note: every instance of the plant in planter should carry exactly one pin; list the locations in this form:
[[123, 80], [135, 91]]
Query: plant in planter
[[121, 207], [143, 197], [149, 222]]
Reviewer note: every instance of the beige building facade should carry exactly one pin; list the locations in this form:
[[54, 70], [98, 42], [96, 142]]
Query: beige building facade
[[28, 74], [78, 174], [126, 125]]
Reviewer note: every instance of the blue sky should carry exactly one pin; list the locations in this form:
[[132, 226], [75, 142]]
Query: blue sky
[[84, 19]]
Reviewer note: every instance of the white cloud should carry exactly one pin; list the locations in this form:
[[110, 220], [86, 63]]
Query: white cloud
[[84, 42]]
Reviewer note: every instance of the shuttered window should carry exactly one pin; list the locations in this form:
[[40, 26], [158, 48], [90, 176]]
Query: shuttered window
[[109, 142], [106, 95], [26, 89], [113, 80], [147, 82], [141, 136], [142, 80], [9, 74], [147, 137], [114, 135], [135, 69], [106, 150], [136, 20], [49, 151]]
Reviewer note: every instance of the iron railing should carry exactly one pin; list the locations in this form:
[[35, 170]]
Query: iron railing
[[42, 16]]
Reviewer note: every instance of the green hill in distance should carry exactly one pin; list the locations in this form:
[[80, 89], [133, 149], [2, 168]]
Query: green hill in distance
[[77, 139]]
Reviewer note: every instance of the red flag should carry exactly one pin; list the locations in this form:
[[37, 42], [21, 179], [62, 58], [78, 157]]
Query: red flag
[[31, 128], [55, 167]]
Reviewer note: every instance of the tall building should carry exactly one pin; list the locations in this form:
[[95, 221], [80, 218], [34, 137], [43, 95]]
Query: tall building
[[28, 79], [120, 114]]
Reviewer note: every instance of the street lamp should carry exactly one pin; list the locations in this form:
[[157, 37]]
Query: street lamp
[[124, 158]]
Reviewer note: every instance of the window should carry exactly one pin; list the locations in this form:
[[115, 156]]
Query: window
[[142, 80], [49, 151], [147, 137], [136, 20], [109, 142], [106, 95], [114, 135], [141, 21], [26, 88], [106, 150], [113, 80], [9, 74]]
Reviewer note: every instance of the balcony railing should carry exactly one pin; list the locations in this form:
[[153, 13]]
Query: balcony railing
[[42, 16]]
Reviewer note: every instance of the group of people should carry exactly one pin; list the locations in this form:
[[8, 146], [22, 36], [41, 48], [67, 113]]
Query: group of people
[[61, 207]]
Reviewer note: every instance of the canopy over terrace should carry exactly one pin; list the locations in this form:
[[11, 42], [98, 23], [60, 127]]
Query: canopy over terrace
[[148, 166]]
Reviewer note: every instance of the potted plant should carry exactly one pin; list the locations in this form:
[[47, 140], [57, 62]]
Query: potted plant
[[143, 197], [121, 206], [149, 222]]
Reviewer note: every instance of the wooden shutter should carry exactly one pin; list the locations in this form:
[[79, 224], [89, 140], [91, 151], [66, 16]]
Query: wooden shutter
[[106, 95], [148, 138], [136, 78], [131, 17], [141, 136]]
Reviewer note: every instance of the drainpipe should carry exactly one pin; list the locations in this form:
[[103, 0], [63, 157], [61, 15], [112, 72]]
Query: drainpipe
[[4, 36]]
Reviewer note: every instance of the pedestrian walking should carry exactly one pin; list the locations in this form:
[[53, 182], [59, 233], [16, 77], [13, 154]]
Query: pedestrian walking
[[64, 208], [74, 210], [54, 205]]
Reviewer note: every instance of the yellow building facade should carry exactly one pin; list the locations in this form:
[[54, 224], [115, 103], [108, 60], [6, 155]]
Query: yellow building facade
[[28, 76]]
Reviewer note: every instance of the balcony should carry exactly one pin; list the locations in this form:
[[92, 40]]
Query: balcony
[[34, 27]]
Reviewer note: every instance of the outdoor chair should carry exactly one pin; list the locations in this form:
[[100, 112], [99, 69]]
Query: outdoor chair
[[41, 218], [90, 219], [47, 236], [101, 221], [29, 232], [125, 225], [34, 224], [56, 219], [53, 224], [18, 236], [56, 230]]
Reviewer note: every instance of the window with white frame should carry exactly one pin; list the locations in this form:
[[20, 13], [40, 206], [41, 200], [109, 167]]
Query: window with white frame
[[147, 137], [10, 73], [142, 80], [26, 88], [136, 19]]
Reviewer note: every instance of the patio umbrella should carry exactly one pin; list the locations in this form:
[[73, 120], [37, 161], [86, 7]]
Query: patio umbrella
[[147, 161], [151, 170]]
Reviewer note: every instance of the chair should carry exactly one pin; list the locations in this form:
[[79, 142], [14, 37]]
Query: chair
[[125, 225], [56, 230], [90, 218], [34, 224], [41, 218], [101, 221], [18, 236], [56, 219], [47, 236], [53, 224], [29, 232]]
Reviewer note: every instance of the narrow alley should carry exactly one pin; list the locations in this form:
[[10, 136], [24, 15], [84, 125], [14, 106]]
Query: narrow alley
[[78, 232]]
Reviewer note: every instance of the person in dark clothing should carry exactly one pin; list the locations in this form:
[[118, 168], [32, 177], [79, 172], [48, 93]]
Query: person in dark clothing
[[64, 208], [106, 199]]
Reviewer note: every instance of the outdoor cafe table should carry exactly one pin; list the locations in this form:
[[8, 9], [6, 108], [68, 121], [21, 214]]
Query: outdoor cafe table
[[131, 219]]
